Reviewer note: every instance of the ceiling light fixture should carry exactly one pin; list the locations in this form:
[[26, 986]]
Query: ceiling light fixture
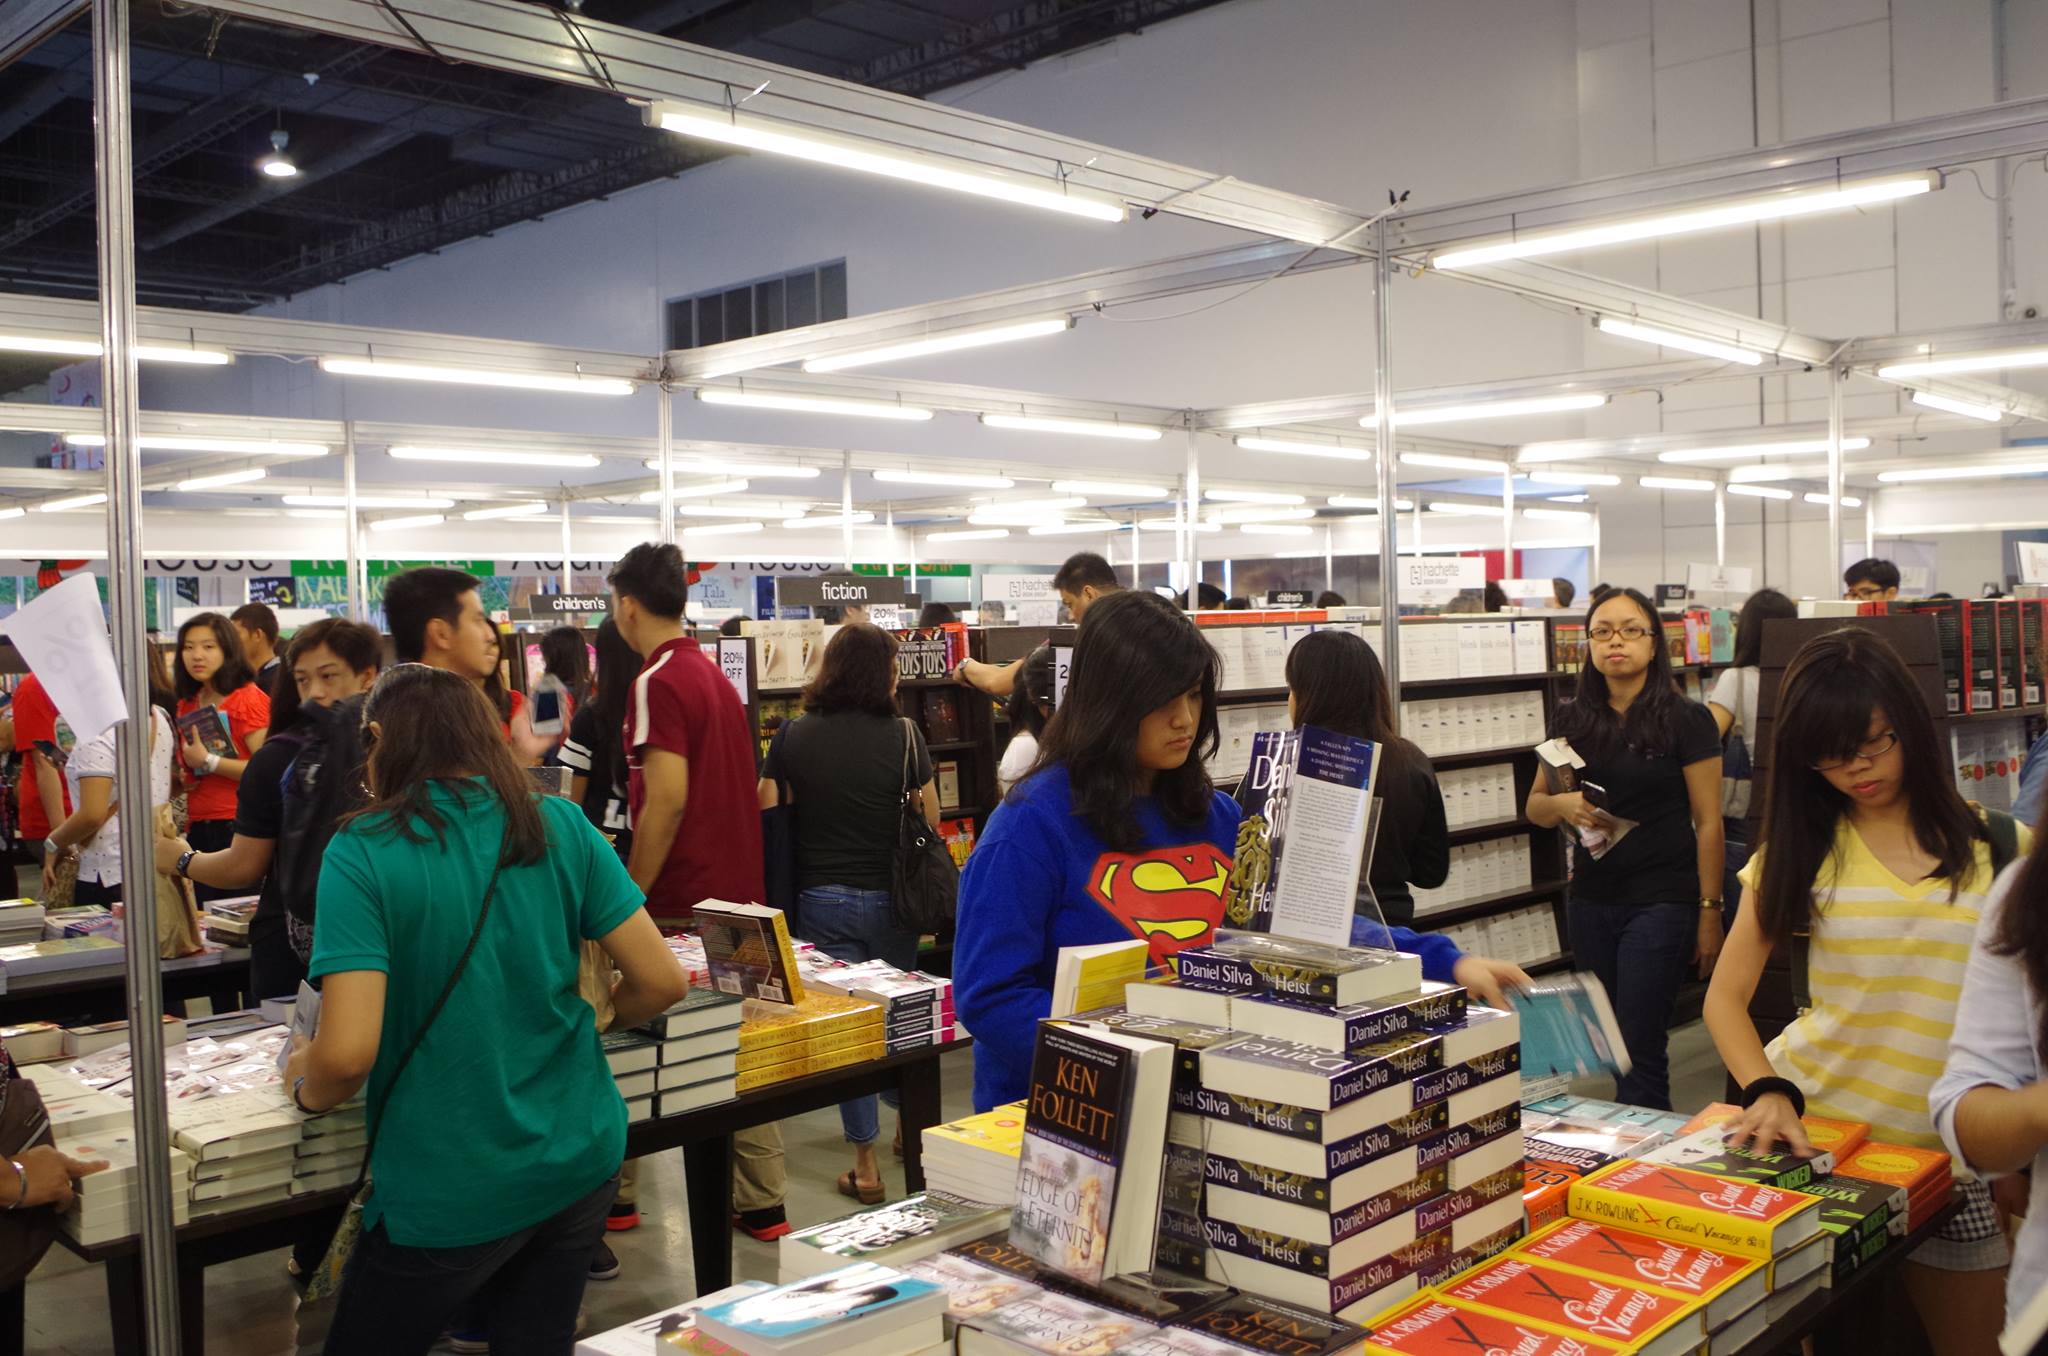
[[1448, 463], [1253, 497], [1674, 483], [1969, 409], [859, 519], [1488, 409], [1110, 488], [1454, 509], [980, 336], [1084, 428], [401, 524], [1294, 447], [529, 509], [214, 482], [2006, 361], [1353, 501], [978, 534], [1071, 529], [1821, 499], [730, 127], [1751, 475], [787, 508], [945, 479], [368, 501], [799, 404], [326, 514], [564, 382], [1737, 451], [726, 529], [1760, 491], [487, 456], [1663, 338], [758, 470], [1172, 525], [1686, 221], [278, 164], [89, 348], [1987, 471], [1572, 478], [255, 447], [13, 512], [75, 501], [1260, 515], [704, 490], [1557, 515]]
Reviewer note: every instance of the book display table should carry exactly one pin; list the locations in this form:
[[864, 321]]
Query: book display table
[[75, 997], [704, 1136]]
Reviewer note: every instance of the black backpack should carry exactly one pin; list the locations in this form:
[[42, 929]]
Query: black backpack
[[322, 784]]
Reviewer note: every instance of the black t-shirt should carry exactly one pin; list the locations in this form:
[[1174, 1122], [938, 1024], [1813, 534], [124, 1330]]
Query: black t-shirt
[[1657, 862], [845, 775], [604, 799], [259, 813], [1413, 846]]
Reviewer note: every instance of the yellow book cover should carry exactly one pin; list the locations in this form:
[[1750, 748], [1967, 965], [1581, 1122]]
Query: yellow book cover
[[755, 1057], [1085, 973], [819, 1014], [1714, 1212], [749, 1079], [998, 1131], [748, 952]]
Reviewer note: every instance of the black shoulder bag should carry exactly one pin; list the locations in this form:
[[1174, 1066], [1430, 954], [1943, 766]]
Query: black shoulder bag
[[925, 884]]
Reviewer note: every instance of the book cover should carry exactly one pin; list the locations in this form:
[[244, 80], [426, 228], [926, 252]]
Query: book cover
[[673, 1328], [1855, 1209], [1356, 1026], [1249, 1323], [873, 1234], [1303, 972], [858, 1053], [2036, 660], [1569, 1137], [820, 1311], [1433, 1327], [207, 725], [1301, 843], [1706, 1151], [2012, 669], [1568, 1303], [959, 836], [1568, 1027], [748, 950], [1546, 1190], [1660, 1264], [1714, 1212], [63, 953], [1087, 977], [1305, 1076], [998, 1132], [1052, 1322], [1073, 1147], [1896, 1164], [972, 1289], [941, 715]]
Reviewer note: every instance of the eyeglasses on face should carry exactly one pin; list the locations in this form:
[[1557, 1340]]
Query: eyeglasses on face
[[1866, 593], [1630, 632], [1870, 748]]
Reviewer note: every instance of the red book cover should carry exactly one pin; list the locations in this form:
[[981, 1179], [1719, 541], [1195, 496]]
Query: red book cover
[[1431, 1327], [1546, 1191], [1694, 1207], [1928, 1202], [1518, 1287], [1640, 1259], [1896, 1164]]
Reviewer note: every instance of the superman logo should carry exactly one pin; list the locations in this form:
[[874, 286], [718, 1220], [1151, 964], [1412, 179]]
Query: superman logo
[[1172, 897]]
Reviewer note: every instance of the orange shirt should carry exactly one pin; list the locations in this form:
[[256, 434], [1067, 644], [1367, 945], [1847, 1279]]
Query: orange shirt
[[247, 710]]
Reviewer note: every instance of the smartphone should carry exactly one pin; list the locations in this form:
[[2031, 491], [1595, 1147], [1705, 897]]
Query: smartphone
[[547, 706], [1595, 794], [55, 756]]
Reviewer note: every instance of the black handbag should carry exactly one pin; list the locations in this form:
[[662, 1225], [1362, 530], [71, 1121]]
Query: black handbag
[[924, 882], [778, 841]]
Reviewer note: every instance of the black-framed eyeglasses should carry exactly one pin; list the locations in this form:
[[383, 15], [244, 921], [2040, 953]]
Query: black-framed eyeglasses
[[1872, 748], [1630, 632]]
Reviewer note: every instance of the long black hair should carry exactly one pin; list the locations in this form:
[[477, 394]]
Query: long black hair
[[1651, 723], [1338, 684], [1835, 682], [617, 668], [234, 671], [1031, 697], [566, 654], [1762, 606], [1136, 653]]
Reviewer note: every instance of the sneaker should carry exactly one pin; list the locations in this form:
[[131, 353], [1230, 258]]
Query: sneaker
[[469, 1343], [621, 1218], [766, 1225], [604, 1264]]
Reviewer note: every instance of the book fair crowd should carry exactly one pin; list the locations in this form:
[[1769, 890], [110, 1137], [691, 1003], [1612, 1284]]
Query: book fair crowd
[[1225, 1097]]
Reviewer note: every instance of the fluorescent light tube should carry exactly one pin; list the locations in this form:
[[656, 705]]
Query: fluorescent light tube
[[978, 534], [945, 478], [1663, 338], [400, 524], [1353, 501], [569, 383], [1169, 525], [1454, 509], [1437, 459], [1261, 515], [1086, 428], [1567, 498], [1969, 409], [158, 442], [748, 511], [90, 348], [14, 512], [617, 518], [1488, 409], [1557, 515], [1071, 529], [528, 509], [704, 490], [1253, 497], [75, 501], [214, 482], [830, 520], [1275, 529], [1821, 499], [487, 456], [1572, 478], [1760, 491], [1738, 451], [1989, 471], [368, 501], [724, 529], [977, 337], [1752, 475], [1674, 483], [2006, 361], [799, 404], [1294, 447], [1734, 212], [731, 127], [1110, 488], [758, 470]]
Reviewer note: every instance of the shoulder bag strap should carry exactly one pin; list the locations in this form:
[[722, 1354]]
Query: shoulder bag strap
[[909, 750], [2003, 831]]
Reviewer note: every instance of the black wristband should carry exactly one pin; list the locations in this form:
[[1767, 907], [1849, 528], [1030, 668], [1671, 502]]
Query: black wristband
[[1784, 1086]]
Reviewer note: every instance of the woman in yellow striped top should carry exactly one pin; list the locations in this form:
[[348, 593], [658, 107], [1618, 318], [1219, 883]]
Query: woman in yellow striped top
[[1871, 855]]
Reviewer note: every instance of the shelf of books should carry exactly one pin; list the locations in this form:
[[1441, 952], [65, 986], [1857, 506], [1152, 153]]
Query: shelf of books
[[1308, 1149]]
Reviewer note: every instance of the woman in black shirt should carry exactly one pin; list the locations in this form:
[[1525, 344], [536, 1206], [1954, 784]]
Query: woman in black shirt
[[1650, 904], [596, 763], [847, 762]]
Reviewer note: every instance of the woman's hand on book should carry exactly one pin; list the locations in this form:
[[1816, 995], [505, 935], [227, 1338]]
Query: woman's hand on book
[[50, 1175], [1769, 1122], [1489, 980], [191, 750]]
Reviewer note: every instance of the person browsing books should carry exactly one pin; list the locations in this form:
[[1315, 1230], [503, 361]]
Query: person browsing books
[[1873, 871], [1732, 704], [1116, 832], [847, 761], [449, 910], [1028, 709], [1081, 580], [44, 799], [1334, 682], [91, 834], [596, 763], [210, 671], [1650, 904]]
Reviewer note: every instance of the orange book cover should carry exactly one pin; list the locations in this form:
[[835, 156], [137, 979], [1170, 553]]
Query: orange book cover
[[1518, 1287], [1640, 1259], [1839, 1138], [1546, 1189], [1895, 1165], [1715, 1114], [1432, 1327], [1714, 1212]]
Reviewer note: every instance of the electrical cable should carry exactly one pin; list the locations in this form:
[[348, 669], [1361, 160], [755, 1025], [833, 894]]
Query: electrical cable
[[425, 46]]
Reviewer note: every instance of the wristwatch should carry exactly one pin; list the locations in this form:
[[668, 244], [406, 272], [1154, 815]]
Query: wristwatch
[[1713, 904], [185, 862]]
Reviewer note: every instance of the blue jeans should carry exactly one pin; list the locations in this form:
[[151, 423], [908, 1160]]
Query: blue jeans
[[397, 1301], [856, 925], [1640, 953]]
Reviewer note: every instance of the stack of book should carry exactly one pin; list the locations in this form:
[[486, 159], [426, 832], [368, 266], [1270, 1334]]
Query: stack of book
[[975, 1159], [84, 920], [77, 1110], [32, 1042], [1253, 965], [696, 1052], [21, 920], [25, 959], [254, 1148], [227, 920], [108, 1205], [865, 1308], [1925, 1175], [81, 1041], [635, 1058], [779, 1041], [689, 953], [912, 1004], [894, 1235], [666, 1330]]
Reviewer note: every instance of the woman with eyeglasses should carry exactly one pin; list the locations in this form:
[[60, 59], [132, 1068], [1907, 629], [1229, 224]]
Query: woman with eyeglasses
[[1649, 905], [1873, 869]]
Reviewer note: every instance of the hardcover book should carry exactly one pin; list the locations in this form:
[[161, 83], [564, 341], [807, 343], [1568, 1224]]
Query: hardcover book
[[1897, 1165], [1645, 1321], [1301, 843], [1320, 1080], [892, 1234], [747, 948], [1434, 1006], [1236, 962], [1432, 1327], [1298, 1206], [1853, 1210], [972, 1289], [1248, 1323], [206, 724], [671, 1329], [1706, 1151], [1088, 1175], [1726, 1284], [1052, 1323], [829, 1313], [1568, 1027], [1713, 1212]]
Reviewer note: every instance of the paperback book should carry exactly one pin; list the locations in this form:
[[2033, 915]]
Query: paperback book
[[832, 1313], [1301, 843], [748, 951], [1706, 1151], [206, 724], [1727, 1285], [1568, 1027], [1572, 1304], [1251, 1323], [1094, 976], [1433, 1006], [891, 1234], [672, 1329]]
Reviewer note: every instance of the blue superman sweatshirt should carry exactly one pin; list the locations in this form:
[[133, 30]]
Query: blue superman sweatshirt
[[1041, 879]]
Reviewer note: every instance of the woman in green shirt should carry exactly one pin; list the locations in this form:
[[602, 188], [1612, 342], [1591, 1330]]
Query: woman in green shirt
[[452, 912]]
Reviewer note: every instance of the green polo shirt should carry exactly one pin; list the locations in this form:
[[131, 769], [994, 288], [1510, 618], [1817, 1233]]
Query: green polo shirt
[[508, 1113]]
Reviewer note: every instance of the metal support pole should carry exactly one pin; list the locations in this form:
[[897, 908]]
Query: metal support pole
[[1835, 375], [1507, 526], [913, 560], [1329, 558], [1596, 544], [665, 438], [1415, 521], [846, 508], [352, 527], [889, 522], [1383, 460], [568, 578], [1191, 495], [1720, 522], [113, 136]]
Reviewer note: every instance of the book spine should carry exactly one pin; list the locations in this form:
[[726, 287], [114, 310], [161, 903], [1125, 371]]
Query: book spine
[[1208, 972], [1456, 1078], [1263, 1246]]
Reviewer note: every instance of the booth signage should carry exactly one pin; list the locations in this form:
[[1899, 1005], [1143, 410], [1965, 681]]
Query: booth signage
[[1671, 595], [1438, 579], [1704, 579], [569, 604], [1019, 588], [1289, 598], [838, 590], [2033, 564]]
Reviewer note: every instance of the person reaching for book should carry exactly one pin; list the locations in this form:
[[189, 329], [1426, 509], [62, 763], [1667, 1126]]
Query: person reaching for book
[[1873, 871], [210, 671], [1335, 682], [91, 834]]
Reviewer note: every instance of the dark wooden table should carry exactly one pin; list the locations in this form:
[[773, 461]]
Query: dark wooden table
[[704, 1136], [75, 997], [1851, 1319]]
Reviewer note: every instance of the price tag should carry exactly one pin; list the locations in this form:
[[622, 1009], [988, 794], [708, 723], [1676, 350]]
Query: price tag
[[732, 662], [1062, 663]]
